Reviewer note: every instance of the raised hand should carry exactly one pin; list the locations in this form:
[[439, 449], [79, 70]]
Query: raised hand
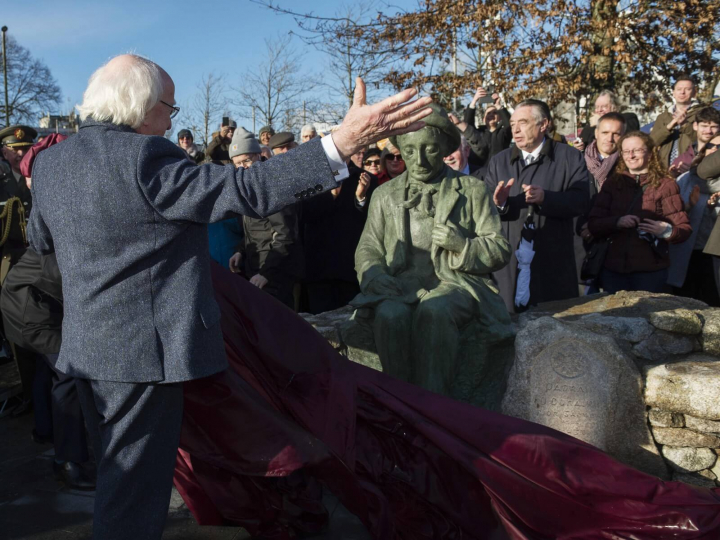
[[365, 124], [363, 184], [502, 192]]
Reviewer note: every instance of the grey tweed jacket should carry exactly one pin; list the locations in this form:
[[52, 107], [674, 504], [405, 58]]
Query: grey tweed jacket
[[126, 214]]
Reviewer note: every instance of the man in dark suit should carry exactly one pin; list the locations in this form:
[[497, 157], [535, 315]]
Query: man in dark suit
[[125, 212], [543, 183]]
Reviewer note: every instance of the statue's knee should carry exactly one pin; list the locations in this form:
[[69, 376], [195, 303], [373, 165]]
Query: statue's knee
[[389, 312], [433, 310]]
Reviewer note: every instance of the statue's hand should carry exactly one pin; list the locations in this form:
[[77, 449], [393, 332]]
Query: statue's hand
[[448, 238], [384, 285]]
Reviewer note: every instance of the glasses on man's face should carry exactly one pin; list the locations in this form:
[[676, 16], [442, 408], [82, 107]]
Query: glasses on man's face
[[393, 157], [175, 110], [247, 162], [372, 162], [634, 151]]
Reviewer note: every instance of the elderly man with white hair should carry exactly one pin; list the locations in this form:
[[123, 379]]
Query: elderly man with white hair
[[459, 160], [308, 133], [125, 212]]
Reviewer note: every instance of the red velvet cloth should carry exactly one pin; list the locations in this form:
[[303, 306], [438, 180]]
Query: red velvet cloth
[[291, 412]]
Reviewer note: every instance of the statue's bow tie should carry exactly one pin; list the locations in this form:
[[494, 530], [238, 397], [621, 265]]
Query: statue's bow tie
[[421, 195]]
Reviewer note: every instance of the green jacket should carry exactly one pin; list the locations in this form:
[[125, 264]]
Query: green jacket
[[663, 137], [464, 203]]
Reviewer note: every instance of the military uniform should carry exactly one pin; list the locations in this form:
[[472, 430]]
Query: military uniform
[[15, 206]]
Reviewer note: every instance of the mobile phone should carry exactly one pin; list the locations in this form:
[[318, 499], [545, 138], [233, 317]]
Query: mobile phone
[[488, 99], [225, 121]]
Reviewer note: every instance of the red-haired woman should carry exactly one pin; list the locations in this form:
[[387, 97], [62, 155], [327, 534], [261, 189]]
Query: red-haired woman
[[639, 210]]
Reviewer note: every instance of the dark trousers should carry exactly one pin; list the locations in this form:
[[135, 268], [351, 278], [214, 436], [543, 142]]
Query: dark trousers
[[330, 294], [26, 364], [613, 282], [135, 430], [700, 279], [57, 412]]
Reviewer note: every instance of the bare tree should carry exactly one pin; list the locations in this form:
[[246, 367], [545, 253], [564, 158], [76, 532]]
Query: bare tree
[[274, 91], [209, 104], [32, 90]]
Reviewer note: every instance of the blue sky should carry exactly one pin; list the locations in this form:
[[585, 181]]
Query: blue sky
[[188, 39]]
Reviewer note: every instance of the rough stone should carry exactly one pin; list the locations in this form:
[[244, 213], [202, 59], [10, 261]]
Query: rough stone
[[581, 383], [711, 331], [700, 478], [665, 419], [716, 469], [689, 459], [622, 304], [327, 324], [691, 387], [663, 345], [632, 329], [484, 363], [685, 437], [680, 321], [700, 424]]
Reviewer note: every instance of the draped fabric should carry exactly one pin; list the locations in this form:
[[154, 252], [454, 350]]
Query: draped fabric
[[291, 414]]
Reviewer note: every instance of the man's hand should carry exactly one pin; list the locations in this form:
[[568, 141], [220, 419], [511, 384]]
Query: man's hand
[[496, 100], [534, 194], [585, 233], [502, 192], [714, 198], [362, 187], [679, 117], [259, 281], [234, 263], [462, 126], [448, 238], [365, 124], [480, 93], [579, 144], [224, 131], [628, 222], [384, 285]]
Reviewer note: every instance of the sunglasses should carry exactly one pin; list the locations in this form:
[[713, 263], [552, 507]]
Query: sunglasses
[[372, 162], [393, 157]]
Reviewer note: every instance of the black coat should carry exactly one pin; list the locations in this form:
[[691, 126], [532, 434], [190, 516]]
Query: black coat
[[31, 303], [562, 173], [485, 144], [332, 228]]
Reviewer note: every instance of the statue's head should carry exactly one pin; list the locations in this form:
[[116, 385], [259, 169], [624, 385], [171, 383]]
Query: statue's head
[[424, 150]]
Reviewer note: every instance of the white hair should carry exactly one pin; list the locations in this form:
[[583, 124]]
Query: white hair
[[124, 92], [308, 128]]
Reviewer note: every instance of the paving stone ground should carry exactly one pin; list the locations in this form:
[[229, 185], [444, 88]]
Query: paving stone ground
[[35, 506]]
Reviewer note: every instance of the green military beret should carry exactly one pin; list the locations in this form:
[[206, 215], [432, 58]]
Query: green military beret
[[17, 136]]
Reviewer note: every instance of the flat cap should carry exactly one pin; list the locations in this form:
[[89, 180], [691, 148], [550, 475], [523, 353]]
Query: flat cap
[[281, 139], [17, 136]]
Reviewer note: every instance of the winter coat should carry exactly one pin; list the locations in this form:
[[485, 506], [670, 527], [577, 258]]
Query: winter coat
[[561, 171], [484, 144], [663, 138], [627, 251]]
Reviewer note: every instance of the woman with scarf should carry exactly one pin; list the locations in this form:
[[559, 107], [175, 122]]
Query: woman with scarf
[[640, 211]]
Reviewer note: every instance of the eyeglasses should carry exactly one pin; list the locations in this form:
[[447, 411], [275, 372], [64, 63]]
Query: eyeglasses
[[247, 162], [175, 110], [393, 157], [372, 162], [631, 153]]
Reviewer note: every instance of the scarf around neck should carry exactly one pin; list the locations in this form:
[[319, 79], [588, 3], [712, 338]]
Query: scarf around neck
[[598, 167]]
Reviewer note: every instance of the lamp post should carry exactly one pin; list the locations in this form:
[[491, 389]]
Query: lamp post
[[4, 53]]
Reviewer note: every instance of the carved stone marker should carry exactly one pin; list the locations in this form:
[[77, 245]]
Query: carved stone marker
[[569, 391], [581, 383]]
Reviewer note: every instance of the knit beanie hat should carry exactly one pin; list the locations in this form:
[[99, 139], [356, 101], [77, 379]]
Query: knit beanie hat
[[184, 133], [269, 129], [243, 142]]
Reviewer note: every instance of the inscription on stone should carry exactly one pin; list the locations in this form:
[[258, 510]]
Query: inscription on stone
[[569, 391]]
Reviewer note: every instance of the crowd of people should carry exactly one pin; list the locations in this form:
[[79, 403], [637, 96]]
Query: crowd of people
[[613, 209]]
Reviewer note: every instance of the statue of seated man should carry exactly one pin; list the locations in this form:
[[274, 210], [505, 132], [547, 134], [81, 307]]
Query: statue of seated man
[[425, 258]]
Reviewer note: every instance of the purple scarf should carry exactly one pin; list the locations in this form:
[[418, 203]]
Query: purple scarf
[[598, 167]]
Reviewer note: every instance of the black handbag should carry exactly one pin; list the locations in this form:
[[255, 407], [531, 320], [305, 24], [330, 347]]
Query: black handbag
[[595, 257]]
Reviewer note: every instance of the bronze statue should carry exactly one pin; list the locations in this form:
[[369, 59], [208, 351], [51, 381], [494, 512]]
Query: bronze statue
[[425, 259]]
